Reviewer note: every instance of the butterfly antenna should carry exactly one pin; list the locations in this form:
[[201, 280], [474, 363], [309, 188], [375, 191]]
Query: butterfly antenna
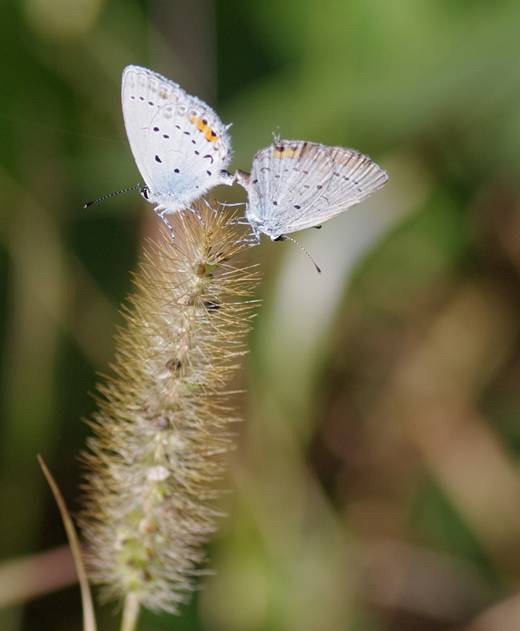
[[136, 187], [304, 250]]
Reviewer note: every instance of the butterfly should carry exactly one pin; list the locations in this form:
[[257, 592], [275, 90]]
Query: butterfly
[[297, 184], [180, 145]]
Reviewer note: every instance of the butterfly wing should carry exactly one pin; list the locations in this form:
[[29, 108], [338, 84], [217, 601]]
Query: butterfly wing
[[180, 145], [355, 177], [285, 177], [319, 183]]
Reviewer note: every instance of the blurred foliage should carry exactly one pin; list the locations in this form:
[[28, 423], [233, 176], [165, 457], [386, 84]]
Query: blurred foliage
[[377, 480]]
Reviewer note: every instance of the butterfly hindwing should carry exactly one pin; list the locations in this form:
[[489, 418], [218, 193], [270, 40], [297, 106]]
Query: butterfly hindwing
[[296, 184], [180, 145], [285, 179]]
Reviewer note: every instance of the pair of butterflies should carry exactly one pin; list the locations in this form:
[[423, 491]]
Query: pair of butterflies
[[182, 150]]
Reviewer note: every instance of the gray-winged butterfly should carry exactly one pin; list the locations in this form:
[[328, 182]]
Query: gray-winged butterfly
[[180, 145], [295, 184]]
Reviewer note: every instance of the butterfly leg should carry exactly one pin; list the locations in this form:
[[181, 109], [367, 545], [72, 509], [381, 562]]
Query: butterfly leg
[[228, 205], [161, 212], [239, 221], [250, 241], [211, 207], [196, 212], [253, 238]]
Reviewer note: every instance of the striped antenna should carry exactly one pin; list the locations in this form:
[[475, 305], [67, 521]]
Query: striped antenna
[[286, 237], [136, 187]]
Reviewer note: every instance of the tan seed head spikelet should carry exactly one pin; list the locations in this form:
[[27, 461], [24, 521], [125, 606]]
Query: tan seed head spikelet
[[162, 424]]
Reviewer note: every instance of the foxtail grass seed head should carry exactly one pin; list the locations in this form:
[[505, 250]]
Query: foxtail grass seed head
[[163, 420]]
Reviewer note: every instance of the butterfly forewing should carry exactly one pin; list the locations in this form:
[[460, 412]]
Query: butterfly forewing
[[351, 178], [354, 177], [179, 144]]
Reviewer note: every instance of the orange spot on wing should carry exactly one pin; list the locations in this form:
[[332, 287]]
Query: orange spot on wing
[[202, 125], [211, 135], [199, 122], [285, 151]]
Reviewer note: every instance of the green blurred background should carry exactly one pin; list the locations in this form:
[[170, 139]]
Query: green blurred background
[[377, 480]]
